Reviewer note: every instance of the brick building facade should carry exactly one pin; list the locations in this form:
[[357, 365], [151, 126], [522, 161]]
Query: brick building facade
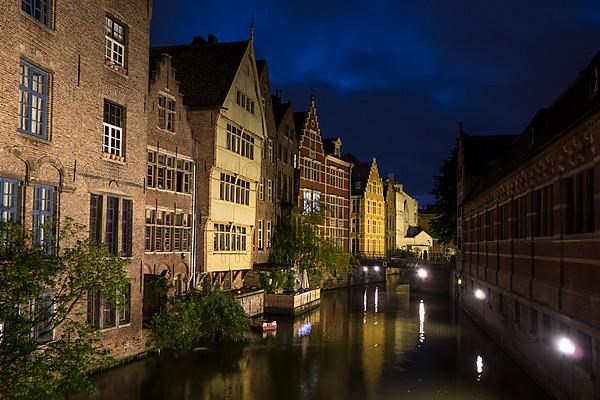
[[528, 238], [324, 178], [221, 90], [73, 79], [267, 208], [170, 188]]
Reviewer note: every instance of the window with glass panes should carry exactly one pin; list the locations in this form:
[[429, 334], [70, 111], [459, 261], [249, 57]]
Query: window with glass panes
[[113, 141], [43, 310], [39, 10], [234, 189], [33, 100], [167, 231], [9, 190], [168, 172], [105, 225], [42, 213], [114, 39], [229, 238], [260, 228], [166, 113], [240, 142]]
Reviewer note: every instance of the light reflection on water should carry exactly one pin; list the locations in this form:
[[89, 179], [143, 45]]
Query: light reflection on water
[[346, 349]]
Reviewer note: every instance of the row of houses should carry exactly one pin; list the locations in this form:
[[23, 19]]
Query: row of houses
[[176, 157], [528, 238]]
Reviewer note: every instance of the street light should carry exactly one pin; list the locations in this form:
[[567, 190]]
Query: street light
[[366, 269], [422, 273], [376, 268], [479, 294], [565, 346]]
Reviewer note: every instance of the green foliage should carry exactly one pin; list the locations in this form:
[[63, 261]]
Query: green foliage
[[27, 273], [299, 242], [222, 317], [443, 226], [212, 315]]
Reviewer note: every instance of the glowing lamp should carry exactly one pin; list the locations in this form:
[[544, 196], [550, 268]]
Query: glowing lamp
[[365, 269], [479, 294], [565, 346], [422, 273]]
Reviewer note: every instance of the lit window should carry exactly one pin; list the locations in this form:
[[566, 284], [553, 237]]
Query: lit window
[[113, 129], [42, 216]]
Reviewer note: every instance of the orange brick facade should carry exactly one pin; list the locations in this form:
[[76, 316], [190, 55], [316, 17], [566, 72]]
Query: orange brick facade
[[69, 156]]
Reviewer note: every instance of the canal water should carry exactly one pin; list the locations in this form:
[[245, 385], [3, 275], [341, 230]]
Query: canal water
[[372, 342]]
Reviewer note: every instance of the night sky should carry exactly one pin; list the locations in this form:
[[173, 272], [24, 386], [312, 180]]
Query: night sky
[[394, 78]]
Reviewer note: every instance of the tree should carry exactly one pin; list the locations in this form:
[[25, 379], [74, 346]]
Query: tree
[[41, 296], [299, 241], [443, 226], [212, 314]]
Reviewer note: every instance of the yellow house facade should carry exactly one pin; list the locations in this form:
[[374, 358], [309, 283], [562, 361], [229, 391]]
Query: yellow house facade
[[368, 210]]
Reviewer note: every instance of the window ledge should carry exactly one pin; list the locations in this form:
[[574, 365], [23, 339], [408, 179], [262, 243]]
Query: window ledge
[[175, 252], [167, 190], [118, 69], [113, 158], [32, 137], [166, 130]]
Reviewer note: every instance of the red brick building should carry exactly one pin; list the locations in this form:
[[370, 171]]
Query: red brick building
[[529, 238], [324, 178], [73, 80]]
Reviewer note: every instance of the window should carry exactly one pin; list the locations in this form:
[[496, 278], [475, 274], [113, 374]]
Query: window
[[240, 142], [310, 201], [270, 150], [8, 200], [43, 315], [244, 101], [103, 313], [311, 170], [519, 216], [261, 189], [355, 225], [260, 234], [167, 231], [533, 321], [229, 238], [126, 228], [234, 190], [42, 216], [543, 217], [166, 113], [269, 234], [113, 129], [115, 208], [167, 172], [580, 202], [356, 206], [38, 9], [33, 100], [125, 306], [114, 43], [270, 191], [503, 223]]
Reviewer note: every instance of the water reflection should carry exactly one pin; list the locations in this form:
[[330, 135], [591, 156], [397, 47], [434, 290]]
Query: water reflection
[[479, 367], [421, 322], [346, 349]]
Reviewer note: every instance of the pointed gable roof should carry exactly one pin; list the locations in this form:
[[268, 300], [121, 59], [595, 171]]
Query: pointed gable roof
[[307, 120], [205, 70]]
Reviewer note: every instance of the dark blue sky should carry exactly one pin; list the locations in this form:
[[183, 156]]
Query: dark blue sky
[[393, 78]]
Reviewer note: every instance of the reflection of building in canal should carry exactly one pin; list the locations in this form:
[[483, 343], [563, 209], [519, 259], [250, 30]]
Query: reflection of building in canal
[[373, 337], [300, 326]]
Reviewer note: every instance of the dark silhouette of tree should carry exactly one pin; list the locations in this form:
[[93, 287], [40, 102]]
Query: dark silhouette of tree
[[443, 226]]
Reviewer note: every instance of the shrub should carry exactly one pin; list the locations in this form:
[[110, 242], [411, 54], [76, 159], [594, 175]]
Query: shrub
[[213, 315]]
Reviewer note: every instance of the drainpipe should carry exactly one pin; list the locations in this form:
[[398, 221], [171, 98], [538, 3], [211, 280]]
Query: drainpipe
[[194, 220]]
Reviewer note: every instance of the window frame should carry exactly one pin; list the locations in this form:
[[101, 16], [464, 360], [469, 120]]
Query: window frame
[[112, 131], [27, 95]]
